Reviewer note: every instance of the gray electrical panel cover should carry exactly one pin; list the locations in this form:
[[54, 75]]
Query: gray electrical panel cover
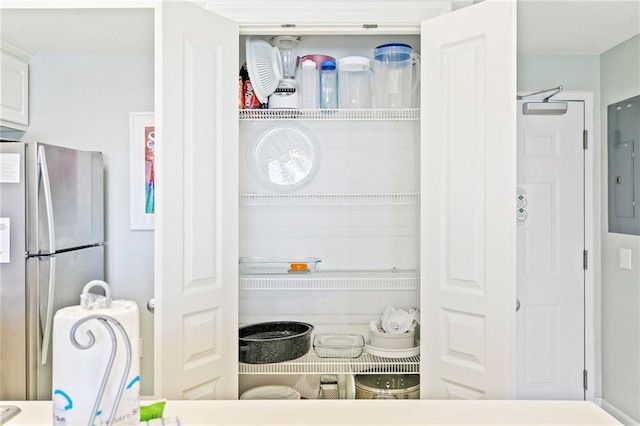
[[623, 139]]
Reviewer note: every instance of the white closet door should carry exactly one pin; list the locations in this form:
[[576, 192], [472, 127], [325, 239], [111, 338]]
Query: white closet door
[[468, 262], [196, 238]]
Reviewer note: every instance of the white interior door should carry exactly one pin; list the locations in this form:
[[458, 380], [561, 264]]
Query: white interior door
[[197, 226], [551, 240], [468, 231]]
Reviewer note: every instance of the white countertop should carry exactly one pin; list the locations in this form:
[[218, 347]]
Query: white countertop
[[358, 412]]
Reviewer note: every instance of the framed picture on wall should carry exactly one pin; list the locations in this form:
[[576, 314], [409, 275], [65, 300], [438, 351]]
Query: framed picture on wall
[[142, 172]]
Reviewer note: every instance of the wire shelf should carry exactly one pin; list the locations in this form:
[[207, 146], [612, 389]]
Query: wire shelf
[[400, 114], [313, 364], [410, 198], [363, 279]]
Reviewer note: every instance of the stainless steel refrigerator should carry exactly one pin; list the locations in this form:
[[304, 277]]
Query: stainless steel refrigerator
[[51, 245]]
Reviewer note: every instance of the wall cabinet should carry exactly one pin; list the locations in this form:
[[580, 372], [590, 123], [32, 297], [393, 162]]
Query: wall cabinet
[[14, 92], [459, 258]]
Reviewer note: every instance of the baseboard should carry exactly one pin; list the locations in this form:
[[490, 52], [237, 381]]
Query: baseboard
[[615, 412]]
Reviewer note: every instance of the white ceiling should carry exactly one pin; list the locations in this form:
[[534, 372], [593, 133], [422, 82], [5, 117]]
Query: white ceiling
[[575, 26], [82, 31], [544, 27]]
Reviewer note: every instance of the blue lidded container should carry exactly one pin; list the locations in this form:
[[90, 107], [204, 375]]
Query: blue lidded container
[[392, 52], [328, 85]]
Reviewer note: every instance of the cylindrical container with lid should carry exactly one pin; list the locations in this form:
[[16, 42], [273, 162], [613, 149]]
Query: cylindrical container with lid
[[308, 85], [387, 386], [354, 74], [328, 85], [396, 70]]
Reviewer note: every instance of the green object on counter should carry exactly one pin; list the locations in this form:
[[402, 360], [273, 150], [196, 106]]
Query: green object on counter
[[153, 411]]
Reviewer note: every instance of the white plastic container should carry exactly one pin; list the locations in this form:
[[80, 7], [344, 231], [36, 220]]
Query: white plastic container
[[328, 85], [309, 85]]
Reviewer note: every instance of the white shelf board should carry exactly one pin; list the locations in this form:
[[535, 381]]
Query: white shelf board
[[409, 198], [313, 364], [397, 114], [395, 279]]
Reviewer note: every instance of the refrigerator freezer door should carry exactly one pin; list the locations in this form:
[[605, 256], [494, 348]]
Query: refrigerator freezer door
[[71, 197], [13, 370], [73, 270]]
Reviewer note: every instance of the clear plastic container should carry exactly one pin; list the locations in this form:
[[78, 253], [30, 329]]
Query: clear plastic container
[[354, 75], [309, 85], [396, 73], [338, 345], [278, 265], [328, 85]]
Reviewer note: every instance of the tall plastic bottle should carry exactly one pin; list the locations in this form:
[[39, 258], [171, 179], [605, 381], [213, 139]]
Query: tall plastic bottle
[[309, 85], [328, 85]]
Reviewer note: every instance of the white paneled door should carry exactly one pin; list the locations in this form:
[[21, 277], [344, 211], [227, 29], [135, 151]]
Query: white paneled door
[[551, 240], [468, 182], [196, 240]]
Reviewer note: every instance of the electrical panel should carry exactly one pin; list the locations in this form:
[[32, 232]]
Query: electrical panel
[[623, 139]]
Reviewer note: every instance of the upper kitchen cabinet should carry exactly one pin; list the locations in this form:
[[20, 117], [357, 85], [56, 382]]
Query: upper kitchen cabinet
[[14, 91], [462, 160], [312, 17]]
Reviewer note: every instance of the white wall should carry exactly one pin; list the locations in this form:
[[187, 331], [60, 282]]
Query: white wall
[[578, 73], [573, 72], [83, 101], [620, 72]]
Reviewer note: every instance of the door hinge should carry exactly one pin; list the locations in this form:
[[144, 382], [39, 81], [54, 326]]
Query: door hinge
[[585, 139], [585, 259], [585, 379]]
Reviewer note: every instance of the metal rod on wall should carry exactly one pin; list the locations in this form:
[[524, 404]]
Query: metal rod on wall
[[555, 90]]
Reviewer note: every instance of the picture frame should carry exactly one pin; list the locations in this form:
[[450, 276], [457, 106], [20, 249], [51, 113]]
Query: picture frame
[[142, 170]]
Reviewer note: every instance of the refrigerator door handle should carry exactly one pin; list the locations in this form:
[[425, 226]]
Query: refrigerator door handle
[[48, 322], [46, 184], [48, 199]]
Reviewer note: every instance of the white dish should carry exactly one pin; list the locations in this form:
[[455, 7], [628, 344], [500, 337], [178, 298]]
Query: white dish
[[271, 392], [392, 353]]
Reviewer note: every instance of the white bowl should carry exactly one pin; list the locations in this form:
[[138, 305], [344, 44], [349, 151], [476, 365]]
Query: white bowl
[[391, 340]]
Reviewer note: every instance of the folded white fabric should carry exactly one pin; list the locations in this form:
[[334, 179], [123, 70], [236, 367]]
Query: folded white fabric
[[398, 320]]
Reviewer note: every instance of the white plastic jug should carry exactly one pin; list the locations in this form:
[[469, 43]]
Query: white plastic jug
[[394, 65], [354, 76]]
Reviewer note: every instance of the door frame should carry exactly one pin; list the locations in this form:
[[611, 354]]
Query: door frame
[[592, 218]]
